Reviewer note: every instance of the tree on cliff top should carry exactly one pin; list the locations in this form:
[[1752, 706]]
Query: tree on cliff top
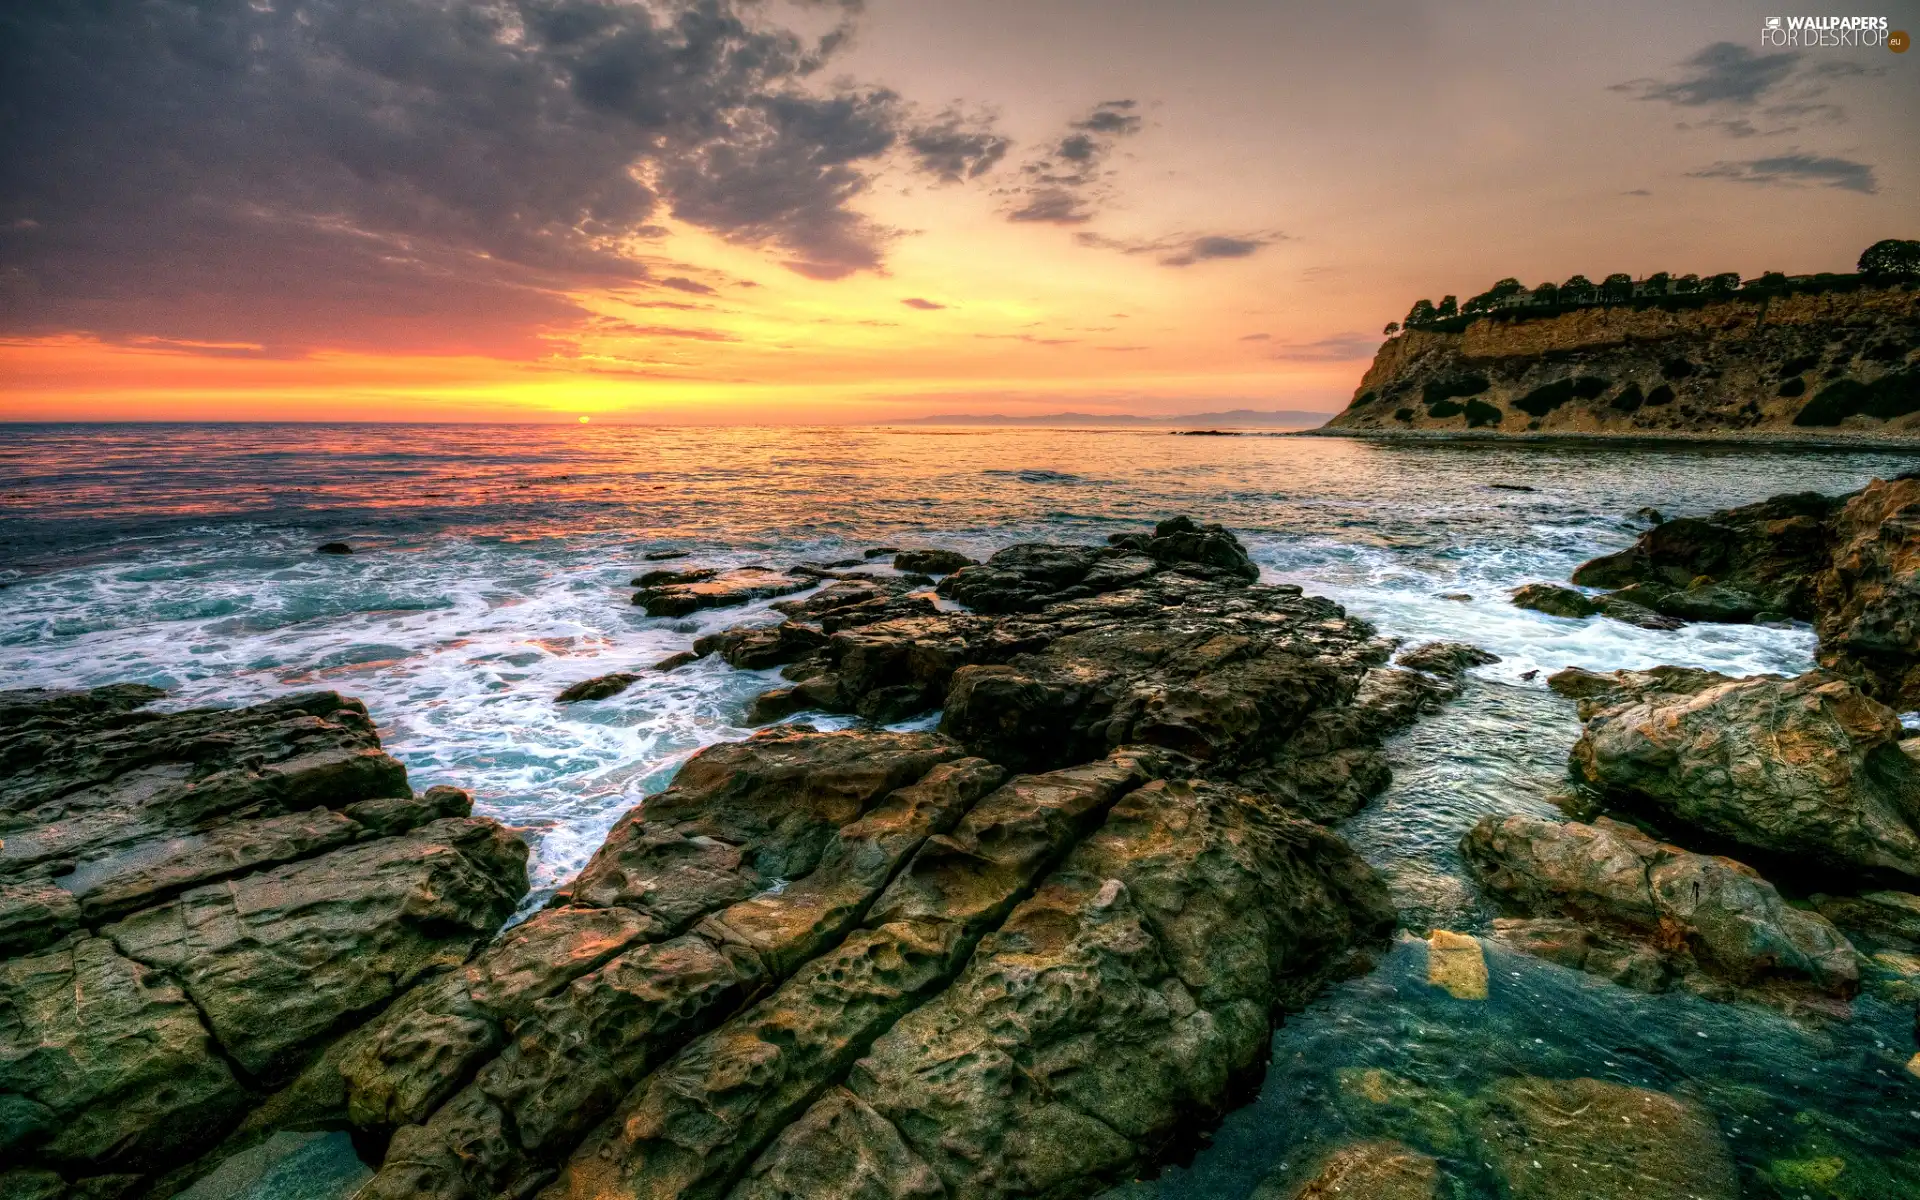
[[1891, 259]]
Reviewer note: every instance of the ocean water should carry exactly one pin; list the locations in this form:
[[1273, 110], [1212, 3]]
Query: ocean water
[[491, 569]]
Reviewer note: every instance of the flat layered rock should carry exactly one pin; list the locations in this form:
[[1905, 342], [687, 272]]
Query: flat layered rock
[[195, 904], [1646, 913], [1808, 769], [363, 923], [1114, 1007], [683, 593]]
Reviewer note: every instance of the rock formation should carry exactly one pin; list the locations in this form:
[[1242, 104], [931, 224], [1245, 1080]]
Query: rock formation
[[882, 963], [1849, 564], [1026, 954], [1806, 770], [195, 905], [1794, 364], [1608, 899]]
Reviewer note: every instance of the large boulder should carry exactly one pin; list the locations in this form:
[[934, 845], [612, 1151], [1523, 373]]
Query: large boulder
[[1806, 769], [1868, 601], [1849, 564], [196, 905], [1649, 912]]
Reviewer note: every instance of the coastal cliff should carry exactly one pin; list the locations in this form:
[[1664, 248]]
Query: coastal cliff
[[1801, 363]]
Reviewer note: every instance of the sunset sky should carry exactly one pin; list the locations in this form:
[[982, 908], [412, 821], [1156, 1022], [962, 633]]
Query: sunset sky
[[725, 211]]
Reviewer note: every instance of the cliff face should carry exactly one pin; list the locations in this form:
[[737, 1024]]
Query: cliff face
[[1802, 363]]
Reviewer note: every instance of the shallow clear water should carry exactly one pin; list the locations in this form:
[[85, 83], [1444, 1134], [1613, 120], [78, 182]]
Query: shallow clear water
[[491, 570]]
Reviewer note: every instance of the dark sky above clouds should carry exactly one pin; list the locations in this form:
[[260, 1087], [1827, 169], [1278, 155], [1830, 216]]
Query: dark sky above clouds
[[493, 177]]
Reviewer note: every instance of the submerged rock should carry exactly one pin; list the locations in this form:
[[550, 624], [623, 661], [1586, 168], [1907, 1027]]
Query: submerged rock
[[1456, 963], [1554, 600], [1808, 768], [931, 562], [1849, 564], [600, 687], [1650, 912], [1378, 1170], [196, 904], [691, 591], [1588, 1139]]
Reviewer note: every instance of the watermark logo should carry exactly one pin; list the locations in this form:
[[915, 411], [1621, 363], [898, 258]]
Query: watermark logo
[[1898, 41], [1807, 32]]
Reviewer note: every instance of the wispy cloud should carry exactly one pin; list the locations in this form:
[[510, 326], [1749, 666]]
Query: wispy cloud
[[1184, 249], [922, 304], [1337, 347], [1742, 94], [1797, 170], [1066, 181]]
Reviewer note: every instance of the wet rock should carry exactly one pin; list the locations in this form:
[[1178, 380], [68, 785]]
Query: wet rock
[[1617, 606], [333, 548], [397, 814], [1868, 601], [742, 815], [1878, 918], [684, 595], [663, 555], [1806, 768], [931, 562], [270, 880], [667, 576], [574, 1055], [363, 922], [842, 1148], [1693, 912], [753, 649], [105, 1062], [881, 551], [1444, 658], [1180, 540], [1587, 1139], [1849, 564], [706, 1115], [1456, 963], [1378, 1170], [120, 807], [1554, 600], [703, 1116], [600, 687]]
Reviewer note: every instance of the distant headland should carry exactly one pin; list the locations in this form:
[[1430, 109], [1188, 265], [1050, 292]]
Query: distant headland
[[1665, 355]]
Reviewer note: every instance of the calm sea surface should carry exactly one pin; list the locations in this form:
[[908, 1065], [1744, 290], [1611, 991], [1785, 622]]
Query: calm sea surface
[[491, 567]]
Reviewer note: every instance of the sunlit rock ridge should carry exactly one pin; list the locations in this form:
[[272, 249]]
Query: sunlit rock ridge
[[1792, 362]]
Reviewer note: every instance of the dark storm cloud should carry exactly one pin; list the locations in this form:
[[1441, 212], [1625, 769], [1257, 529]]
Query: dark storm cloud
[[1797, 170], [1184, 250], [1065, 182], [421, 173], [955, 147]]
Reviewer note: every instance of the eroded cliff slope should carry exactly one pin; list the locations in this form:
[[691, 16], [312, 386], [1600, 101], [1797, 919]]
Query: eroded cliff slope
[[1837, 361]]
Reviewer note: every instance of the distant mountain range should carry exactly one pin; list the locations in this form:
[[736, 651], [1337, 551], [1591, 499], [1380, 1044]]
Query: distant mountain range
[[1239, 418]]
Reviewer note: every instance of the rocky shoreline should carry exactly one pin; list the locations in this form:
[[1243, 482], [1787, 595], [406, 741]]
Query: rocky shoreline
[[1027, 953]]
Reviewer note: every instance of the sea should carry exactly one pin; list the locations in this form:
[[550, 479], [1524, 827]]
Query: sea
[[491, 567]]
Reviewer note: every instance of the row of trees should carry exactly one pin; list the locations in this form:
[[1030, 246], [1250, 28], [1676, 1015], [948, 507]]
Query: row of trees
[[1889, 260]]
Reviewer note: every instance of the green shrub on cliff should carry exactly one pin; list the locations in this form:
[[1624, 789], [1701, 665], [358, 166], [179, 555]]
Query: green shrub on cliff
[[1890, 396]]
